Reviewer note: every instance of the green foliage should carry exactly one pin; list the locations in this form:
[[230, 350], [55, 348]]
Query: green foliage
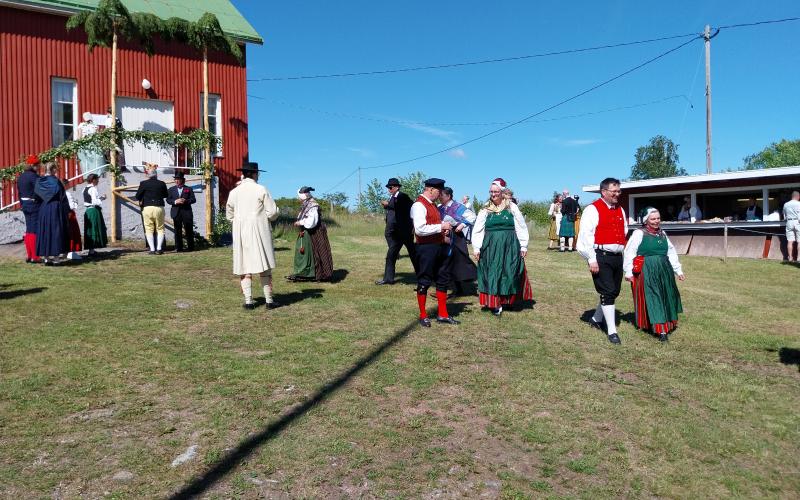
[[333, 200], [221, 229], [658, 159], [785, 153], [535, 211], [370, 201], [111, 16], [476, 204]]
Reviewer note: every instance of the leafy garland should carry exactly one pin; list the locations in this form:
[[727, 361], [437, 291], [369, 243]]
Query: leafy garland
[[103, 141]]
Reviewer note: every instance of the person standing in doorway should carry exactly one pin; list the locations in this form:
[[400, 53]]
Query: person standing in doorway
[[602, 242], [399, 231], [181, 198]]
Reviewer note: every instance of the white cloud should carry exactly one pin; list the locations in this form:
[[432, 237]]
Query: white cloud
[[458, 153], [573, 143], [363, 152]]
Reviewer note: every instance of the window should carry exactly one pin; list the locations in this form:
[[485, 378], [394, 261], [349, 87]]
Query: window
[[64, 98], [214, 118]]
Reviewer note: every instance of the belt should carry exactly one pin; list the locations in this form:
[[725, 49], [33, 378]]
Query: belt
[[605, 252], [26, 199]]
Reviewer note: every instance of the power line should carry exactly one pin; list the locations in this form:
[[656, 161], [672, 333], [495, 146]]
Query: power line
[[758, 23], [351, 174], [470, 63], [560, 103], [461, 124]]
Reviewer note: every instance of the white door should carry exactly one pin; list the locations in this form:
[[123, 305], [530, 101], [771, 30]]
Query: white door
[[151, 115]]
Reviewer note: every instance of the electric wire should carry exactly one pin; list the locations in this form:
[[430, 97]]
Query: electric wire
[[469, 63], [759, 23], [340, 182]]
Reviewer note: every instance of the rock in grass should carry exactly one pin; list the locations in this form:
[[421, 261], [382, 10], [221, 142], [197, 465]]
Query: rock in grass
[[183, 304], [184, 457], [122, 475]]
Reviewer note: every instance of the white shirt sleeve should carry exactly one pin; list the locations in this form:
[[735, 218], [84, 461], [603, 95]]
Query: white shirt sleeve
[[96, 201], [479, 230], [469, 215], [520, 227], [551, 210], [421, 228], [589, 221], [311, 218], [270, 208], [672, 255], [630, 251]]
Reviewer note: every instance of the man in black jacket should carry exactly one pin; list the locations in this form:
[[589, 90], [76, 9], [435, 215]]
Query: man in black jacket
[[399, 230], [182, 198], [150, 195]]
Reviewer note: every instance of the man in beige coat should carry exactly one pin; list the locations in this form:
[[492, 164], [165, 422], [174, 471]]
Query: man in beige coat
[[251, 209]]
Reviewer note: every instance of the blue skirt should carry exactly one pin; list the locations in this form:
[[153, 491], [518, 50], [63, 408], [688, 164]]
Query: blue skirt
[[52, 234]]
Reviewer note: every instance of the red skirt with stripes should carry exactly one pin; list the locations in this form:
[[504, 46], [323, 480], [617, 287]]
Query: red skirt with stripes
[[640, 304], [495, 301]]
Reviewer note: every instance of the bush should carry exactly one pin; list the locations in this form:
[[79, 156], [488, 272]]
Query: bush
[[536, 211]]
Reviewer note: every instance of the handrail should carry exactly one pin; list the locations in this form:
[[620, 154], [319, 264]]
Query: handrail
[[70, 179]]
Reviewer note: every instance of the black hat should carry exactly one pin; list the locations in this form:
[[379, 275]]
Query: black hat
[[393, 182], [435, 183], [305, 189], [179, 175], [250, 166]]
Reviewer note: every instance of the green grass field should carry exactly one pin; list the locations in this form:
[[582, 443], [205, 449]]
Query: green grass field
[[111, 369]]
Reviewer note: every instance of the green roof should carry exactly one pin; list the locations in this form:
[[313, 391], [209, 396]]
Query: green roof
[[232, 22]]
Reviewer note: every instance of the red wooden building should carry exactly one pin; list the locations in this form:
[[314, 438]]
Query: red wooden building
[[49, 79]]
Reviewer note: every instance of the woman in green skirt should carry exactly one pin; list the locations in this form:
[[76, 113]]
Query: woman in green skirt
[[651, 263], [312, 250], [94, 227], [500, 242]]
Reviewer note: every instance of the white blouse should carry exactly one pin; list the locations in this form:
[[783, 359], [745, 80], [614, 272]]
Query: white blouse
[[520, 228], [311, 218], [633, 246], [97, 201]]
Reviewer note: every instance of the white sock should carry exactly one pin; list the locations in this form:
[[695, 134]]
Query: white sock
[[247, 290], [609, 313], [150, 243], [160, 241], [561, 243], [598, 314], [266, 282]]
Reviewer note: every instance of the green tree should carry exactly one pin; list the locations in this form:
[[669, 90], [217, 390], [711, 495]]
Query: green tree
[[337, 199], [413, 184], [476, 204], [785, 153], [658, 159], [370, 199]]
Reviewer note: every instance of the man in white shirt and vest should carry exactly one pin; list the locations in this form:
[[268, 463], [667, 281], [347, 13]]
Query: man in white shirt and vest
[[601, 241], [429, 232], [791, 214]]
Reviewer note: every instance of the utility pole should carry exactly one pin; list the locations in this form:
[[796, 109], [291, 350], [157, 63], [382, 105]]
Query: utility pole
[[707, 36], [359, 187]]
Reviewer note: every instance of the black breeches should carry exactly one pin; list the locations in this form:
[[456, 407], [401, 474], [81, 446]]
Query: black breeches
[[432, 267], [608, 281], [395, 243], [184, 222]]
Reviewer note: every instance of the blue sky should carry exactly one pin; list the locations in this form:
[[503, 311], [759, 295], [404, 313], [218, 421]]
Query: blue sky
[[755, 75]]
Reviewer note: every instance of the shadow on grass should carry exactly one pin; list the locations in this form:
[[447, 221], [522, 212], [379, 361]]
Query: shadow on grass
[[406, 278], [19, 293], [238, 454], [788, 356], [339, 275], [792, 263], [287, 299], [627, 317]]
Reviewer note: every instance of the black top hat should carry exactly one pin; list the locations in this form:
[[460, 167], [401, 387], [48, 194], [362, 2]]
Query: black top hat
[[305, 189], [435, 183], [250, 167], [393, 182], [179, 174]]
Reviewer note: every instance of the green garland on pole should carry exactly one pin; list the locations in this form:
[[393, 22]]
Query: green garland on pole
[[103, 141]]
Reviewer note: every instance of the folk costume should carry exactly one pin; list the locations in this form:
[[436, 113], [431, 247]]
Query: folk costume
[[151, 194], [651, 261], [312, 250], [602, 240], [251, 208], [555, 224], [431, 255], [399, 232], [460, 264], [73, 229], [26, 185], [94, 226], [569, 209], [181, 213], [52, 232], [500, 234]]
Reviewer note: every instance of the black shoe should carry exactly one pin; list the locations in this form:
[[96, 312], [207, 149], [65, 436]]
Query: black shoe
[[614, 338], [249, 306], [159, 252], [663, 337], [448, 320], [151, 252], [273, 305], [425, 322], [384, 282], [497, 312]]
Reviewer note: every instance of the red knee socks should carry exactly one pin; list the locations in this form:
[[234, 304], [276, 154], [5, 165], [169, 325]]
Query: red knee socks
[[30, 245], [421, 299], [441, 297]]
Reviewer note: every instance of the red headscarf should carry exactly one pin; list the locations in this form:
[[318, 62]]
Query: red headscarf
[[32, 160], [500, 182]]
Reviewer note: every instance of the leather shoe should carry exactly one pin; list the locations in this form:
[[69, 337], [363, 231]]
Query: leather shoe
[[249, 306], [425, 322], [663, 337], [498, 312], [614, 338], [448, 320], [384, 282]]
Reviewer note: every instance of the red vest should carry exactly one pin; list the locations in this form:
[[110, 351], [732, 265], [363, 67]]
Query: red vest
[[611, 225], [431, 217]]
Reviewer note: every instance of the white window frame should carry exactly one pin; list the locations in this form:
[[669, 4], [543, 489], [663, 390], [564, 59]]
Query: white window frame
[[214, 98], [53, 103]]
